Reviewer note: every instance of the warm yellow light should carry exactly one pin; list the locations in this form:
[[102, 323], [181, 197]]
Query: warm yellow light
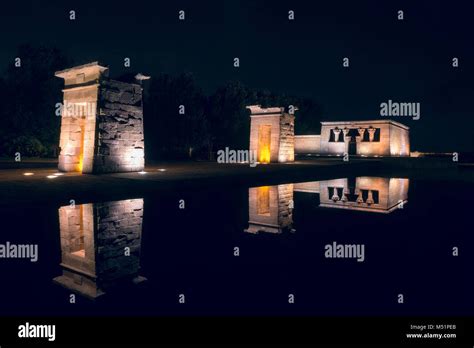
[[51, 176], [162, 170], [264, 155], [81, 162], [28, 174], [142, 172], [58, 174]]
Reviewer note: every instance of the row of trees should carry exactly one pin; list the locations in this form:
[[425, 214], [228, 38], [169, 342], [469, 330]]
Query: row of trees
[[206, 124], [28, 93], [209, 123]]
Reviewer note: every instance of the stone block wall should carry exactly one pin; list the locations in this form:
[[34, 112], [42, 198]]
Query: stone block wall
[[120, 145], [400, 141], [286, 151], [305, 144]]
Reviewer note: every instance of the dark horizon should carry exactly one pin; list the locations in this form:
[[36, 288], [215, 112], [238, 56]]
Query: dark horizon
[[405, 61]]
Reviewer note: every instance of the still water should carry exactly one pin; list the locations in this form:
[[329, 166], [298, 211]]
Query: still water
[[347, 246]]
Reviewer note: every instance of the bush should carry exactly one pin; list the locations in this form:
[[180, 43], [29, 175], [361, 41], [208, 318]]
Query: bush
[[28, 146]]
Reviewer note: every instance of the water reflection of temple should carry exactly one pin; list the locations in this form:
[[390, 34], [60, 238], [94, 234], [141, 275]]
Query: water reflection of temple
[[100, 245], [270, 207], [371, 194]]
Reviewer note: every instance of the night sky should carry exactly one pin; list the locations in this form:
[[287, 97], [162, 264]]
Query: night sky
[[406, 61]]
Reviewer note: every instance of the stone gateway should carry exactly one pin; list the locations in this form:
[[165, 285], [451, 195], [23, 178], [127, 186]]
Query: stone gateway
[[101, 122]]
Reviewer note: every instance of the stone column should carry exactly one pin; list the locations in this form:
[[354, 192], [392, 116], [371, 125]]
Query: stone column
[[370, 198], [371, 133], [335, 196], [347, 138], [337, 133]]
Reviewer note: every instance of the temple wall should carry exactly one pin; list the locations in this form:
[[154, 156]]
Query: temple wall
[[400, 141], [120, 146], [330, 148], [379, 148], [286, 151], [307, 144], [81, 118], [393, 140]]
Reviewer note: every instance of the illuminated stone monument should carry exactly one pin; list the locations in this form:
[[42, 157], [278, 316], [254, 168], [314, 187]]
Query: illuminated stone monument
[[359, 138], [272, 134], [100, 246], [270, 209], [101, 122]]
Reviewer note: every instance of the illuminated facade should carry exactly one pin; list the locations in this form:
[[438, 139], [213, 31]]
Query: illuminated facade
[[101, 122], [359, 138], [100, 246], [272, 134]]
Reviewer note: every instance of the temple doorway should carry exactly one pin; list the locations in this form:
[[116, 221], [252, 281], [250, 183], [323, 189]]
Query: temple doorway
[[264, 142]]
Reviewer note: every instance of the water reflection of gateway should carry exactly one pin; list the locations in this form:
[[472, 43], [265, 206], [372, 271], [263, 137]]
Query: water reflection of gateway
[[270, 207], [100, 245]]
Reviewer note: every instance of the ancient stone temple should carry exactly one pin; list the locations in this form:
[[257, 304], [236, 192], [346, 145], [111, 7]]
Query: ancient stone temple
[[358, 138], [270, 209], [272, 134], [100, 246], [101, 122]]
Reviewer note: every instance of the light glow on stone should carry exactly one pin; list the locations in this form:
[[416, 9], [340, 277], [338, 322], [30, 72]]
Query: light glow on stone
[[51, 176], [28, 174], [265, 154]]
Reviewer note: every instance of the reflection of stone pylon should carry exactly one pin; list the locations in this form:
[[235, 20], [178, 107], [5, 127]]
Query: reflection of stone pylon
[[335, 195]]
